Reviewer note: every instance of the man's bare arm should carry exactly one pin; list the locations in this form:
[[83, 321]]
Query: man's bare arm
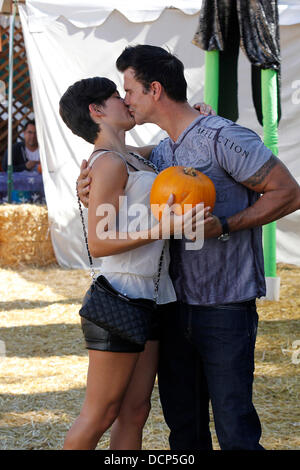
[[84, 178], [280, 197], [143, 151], [261, 174]]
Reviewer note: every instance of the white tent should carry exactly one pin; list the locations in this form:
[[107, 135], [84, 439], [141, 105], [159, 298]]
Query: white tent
[[67, 40]]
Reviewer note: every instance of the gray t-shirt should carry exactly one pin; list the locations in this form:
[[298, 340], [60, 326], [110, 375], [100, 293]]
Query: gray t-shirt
[[219, 272]]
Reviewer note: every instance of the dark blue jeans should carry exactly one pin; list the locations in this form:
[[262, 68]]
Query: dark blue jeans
[[207, 353]]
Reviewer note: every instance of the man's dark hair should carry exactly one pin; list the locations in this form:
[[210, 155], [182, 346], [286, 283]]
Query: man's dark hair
[[152, 63], [32, 122], [74, 105]]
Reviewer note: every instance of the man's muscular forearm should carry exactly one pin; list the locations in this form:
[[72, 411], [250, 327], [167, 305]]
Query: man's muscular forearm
[[269, 207], [280, 196]]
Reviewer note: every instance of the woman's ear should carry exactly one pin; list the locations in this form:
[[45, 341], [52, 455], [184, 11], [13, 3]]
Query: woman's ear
[[95, 111]]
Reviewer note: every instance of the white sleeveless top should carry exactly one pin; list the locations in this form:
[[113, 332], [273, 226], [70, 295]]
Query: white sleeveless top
[[133, 271]]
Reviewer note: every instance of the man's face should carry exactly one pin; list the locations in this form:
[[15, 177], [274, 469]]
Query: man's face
[[117, 113], [137, 99], [30, 136]]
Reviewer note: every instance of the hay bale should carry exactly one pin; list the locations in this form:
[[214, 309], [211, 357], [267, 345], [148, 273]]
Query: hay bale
[[25, 235]]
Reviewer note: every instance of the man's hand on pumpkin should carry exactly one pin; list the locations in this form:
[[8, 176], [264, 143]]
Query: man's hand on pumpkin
[[212, 226]]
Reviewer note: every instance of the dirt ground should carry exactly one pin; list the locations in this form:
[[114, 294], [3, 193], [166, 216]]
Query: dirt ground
[[43, 362]]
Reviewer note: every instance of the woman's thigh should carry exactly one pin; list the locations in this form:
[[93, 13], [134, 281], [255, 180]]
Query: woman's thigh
[[109, 374], [142, 381]]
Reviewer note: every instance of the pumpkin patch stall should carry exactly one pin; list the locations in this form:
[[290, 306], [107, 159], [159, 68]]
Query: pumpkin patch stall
[[43, 362], [61, 35]]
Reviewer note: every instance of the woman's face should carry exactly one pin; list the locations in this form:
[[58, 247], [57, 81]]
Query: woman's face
[[117, 114]]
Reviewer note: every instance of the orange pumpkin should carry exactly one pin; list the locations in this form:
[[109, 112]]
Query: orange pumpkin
[[188, 185]]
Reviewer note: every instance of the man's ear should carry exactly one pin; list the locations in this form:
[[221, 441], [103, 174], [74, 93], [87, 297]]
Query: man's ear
[[156, 89]]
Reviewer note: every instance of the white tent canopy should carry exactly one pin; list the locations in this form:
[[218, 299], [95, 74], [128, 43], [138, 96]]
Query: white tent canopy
[[90, 13], [67, 40]]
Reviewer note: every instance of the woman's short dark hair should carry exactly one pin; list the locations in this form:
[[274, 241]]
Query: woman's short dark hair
[[74, 105], [152, 63]]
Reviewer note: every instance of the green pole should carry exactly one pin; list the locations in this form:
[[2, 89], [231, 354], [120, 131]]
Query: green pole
[[211, 84], [10, 99], [270, 127]]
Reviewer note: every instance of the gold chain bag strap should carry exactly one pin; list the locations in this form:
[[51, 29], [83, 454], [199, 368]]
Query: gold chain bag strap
[[118, 313]]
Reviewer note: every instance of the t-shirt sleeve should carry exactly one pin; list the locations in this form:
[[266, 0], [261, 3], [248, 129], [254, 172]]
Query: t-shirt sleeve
[[240, 151]]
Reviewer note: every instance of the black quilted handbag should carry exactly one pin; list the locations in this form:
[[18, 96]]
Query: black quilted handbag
[[115, 312], [119, 314]]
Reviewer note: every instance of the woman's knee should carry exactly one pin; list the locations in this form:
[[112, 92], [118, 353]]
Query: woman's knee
[[100, 420], [135, 414]]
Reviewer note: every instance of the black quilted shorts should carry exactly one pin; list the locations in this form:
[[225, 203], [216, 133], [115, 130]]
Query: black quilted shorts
[[101, 340]]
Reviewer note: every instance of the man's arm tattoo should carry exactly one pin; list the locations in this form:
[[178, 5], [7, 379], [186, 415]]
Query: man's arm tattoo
[[260, 175]]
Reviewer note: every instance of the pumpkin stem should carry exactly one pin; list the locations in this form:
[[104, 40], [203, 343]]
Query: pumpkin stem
[[190, 171]]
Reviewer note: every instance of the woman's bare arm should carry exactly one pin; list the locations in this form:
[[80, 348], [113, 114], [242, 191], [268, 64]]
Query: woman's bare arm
[[108, 180], [109, 177]]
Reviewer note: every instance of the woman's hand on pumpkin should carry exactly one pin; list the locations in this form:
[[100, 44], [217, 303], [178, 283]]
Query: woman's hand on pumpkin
[[83, 183], [190, 224], [205, 109]]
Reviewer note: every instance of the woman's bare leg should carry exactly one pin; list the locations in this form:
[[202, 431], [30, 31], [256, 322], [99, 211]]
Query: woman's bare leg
[[109, 374], [127, 430]]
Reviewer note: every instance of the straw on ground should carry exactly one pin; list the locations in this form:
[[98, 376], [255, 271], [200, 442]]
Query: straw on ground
[[43, 362]]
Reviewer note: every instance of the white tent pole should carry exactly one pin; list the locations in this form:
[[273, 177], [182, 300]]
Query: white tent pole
[[10, 99]]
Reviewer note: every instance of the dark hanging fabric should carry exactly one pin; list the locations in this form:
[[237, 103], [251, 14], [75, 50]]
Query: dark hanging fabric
[[213, 24], [259, 30], [219, 30], [253, 24], [228, 66]]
